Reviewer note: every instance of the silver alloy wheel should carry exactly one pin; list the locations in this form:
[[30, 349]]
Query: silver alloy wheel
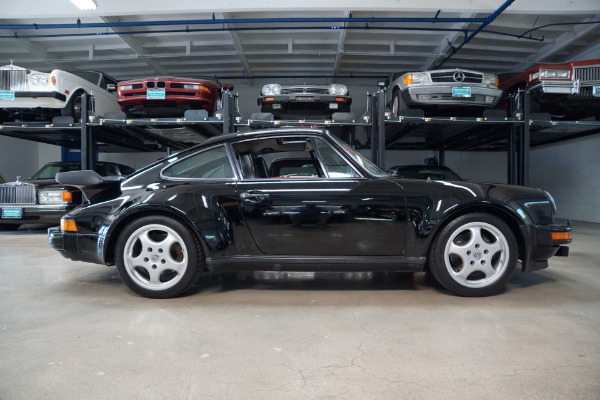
[[477, 255], [155, 257]]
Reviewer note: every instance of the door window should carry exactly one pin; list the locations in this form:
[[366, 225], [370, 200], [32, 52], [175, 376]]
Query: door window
[[209, 164]]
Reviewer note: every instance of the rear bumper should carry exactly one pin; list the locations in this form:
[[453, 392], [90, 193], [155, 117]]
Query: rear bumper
[[75, 246], [541, 245]]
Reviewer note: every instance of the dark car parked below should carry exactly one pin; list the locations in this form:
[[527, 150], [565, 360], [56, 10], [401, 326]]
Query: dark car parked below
[[226, 205], [41, 200]]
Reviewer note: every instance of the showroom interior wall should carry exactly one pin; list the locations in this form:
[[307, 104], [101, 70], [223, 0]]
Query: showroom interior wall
[[568, 169]]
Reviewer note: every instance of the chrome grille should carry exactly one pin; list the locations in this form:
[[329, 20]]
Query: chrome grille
[[13, 79], [296, 90], [448, 76], [17, 194], [587, 74]]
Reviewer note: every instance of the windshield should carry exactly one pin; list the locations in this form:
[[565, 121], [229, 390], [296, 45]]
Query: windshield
[[360, 159]]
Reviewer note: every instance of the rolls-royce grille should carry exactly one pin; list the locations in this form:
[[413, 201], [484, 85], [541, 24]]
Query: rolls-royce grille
[[588, 74], [13, 79], [456, 76], [295, 90], [17, 194]]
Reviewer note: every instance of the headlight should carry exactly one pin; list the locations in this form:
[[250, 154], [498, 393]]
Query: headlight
[[337, 89], [271, 89], [190, 86], [54, 196], [551, 74], [416, 78], [490, 80], [124, 87], [39, 79]]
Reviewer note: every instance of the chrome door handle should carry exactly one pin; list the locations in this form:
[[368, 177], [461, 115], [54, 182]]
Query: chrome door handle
[[253, 195]]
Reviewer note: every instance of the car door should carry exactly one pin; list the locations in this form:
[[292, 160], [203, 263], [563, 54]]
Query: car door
[[332, 209]]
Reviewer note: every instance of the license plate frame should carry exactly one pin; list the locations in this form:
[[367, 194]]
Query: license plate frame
[[461, 91], [156, 94], [7, 95], [12, 213]]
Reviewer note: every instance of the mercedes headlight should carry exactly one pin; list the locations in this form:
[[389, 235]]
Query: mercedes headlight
[[490, 80], [338, 90], [271, 89], [54, 196]]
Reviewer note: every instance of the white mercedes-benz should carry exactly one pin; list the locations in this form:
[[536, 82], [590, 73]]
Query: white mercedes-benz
[[32, 95]]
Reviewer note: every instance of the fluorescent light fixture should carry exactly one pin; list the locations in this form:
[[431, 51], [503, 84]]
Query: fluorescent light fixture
[[86, 5]]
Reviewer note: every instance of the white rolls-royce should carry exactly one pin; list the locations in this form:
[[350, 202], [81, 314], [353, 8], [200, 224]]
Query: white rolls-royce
[[32, 95]]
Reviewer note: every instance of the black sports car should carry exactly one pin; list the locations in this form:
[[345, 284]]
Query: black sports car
[[224, 206]]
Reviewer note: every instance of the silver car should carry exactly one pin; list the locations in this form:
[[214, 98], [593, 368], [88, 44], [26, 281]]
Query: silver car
[[441, 88]]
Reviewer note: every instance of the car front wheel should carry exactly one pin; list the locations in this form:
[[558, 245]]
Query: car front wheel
[[398, 105], [474, 255], [158, 257]]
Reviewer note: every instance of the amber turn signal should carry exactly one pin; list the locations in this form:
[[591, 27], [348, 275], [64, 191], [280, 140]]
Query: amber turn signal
[[408, 79], [561, 235], [68, 225], [67, 197], [270, 99]]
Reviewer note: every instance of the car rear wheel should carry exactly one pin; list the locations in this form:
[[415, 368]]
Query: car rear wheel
[[474, 255], [158, 257]]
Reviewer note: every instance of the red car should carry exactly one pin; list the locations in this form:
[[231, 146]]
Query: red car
[[167, 96], [569, 91]]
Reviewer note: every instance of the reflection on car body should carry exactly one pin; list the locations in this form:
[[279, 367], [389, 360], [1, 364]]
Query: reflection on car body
[[215, 208]]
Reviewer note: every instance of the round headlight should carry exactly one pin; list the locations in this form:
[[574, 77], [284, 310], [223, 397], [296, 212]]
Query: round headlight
[[43, 79], [34, 79], [336, 89], [271, 89]]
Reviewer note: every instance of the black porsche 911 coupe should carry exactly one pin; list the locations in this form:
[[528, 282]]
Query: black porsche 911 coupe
[[234, 203]]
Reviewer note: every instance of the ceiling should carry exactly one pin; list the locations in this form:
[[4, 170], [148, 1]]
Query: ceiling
[[244, 40]]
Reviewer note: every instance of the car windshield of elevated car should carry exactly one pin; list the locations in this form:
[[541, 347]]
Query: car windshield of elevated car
[[360, 159], [90, 76]]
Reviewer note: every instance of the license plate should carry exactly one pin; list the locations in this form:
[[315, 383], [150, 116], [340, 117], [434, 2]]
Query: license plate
[[596, 91], [305, 98], [11, 213], [155, 94], [461, 91], [7, 95]]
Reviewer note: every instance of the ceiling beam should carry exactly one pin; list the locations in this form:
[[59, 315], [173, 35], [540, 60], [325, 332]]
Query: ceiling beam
[[235, 38], [137, 48]]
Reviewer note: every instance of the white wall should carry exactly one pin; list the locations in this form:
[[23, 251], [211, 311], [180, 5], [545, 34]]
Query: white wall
[[570, 171], [18, 157]]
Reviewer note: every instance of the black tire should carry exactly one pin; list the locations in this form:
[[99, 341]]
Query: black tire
[[151, 269], [474, 255], [73, 107], [398, 105]]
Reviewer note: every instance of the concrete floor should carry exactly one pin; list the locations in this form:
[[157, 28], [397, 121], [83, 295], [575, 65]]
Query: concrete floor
[[70, 330]]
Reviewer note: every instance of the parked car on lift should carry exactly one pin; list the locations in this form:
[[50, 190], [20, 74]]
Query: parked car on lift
[[430, 172], [210, 208], [33, 95], [41, 200], [567, 91], [444, 89], [304, 101], [167, 96]]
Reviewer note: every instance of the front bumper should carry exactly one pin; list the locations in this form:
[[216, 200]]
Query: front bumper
[[556, 87], [442, 95], [541, 246], [36, 214], [75, 246], [304, 105], [27, 99]]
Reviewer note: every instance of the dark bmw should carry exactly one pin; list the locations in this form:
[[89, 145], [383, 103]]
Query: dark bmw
[[226, 205]]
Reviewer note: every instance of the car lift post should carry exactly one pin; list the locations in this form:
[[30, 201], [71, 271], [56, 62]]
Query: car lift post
[[378, 129], [88, 148], [524, 142], [228, 113]]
